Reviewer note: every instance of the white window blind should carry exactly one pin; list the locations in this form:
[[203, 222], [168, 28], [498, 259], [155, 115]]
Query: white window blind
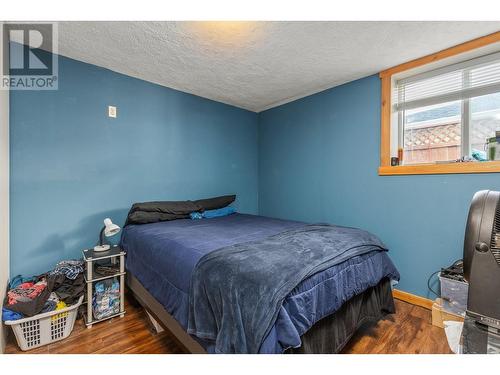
[[468, 79]]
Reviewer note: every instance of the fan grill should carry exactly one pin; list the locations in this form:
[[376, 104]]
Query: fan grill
[[495, 235]]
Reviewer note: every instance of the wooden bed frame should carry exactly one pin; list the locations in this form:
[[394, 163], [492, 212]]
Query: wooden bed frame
[[167, 321]]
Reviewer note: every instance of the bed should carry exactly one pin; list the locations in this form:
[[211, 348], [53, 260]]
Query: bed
[[319, 315]]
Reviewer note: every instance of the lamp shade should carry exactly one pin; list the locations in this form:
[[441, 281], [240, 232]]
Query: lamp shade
[[110, 228]]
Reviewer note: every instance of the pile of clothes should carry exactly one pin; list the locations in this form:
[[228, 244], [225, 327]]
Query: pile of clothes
[[50, 291]]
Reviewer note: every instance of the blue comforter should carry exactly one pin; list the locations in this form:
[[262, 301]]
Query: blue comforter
[[162, 256], [237, 291]]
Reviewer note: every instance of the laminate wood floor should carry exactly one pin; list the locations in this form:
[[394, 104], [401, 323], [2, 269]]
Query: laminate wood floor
[[408, 331]]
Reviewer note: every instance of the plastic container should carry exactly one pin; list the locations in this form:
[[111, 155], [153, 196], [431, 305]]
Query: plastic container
[[493, 149], [43, 329], [454, 295]]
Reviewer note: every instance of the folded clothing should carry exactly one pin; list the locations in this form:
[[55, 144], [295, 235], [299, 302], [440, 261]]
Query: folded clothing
[[226, 211], [26, 292], [70, 268], [28, 298]]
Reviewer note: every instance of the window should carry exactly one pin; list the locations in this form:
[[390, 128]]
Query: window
[[449, 113], [436, 114]]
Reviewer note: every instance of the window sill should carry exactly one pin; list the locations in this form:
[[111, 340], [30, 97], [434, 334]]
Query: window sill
[[472, 167]]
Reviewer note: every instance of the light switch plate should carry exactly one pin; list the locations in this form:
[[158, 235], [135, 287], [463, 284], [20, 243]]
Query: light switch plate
[[112, 111]]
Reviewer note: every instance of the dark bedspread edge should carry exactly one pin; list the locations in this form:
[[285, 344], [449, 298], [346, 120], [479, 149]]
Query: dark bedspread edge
[[167, 321], [331, 334], [371, 305]]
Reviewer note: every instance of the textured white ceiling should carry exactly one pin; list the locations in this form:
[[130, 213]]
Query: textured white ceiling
[[258, 65]]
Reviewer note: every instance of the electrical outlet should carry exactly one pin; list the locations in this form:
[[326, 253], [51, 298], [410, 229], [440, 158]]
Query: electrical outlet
[[112, 111]]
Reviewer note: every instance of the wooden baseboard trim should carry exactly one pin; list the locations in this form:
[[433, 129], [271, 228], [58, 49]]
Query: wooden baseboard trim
[[413, 299]]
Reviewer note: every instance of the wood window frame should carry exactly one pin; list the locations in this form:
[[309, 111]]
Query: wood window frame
[[386, 114]]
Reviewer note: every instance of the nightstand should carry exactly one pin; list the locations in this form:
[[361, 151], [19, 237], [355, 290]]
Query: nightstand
[[115, 256]]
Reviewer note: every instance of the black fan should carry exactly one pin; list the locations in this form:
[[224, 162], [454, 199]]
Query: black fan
[[482, 258]]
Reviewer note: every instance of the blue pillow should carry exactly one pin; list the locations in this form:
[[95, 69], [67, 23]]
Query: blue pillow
[[225, 211], [208, 214]]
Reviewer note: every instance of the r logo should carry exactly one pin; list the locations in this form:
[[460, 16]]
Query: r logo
[[29, 56], [28, 48]]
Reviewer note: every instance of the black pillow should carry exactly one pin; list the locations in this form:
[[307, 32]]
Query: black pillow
[[152, 212], [144, 217], [215, 203], [167, 207]]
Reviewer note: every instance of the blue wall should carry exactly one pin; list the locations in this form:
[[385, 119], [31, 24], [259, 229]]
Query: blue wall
[[318, 160], [72, 166], [314, 159]]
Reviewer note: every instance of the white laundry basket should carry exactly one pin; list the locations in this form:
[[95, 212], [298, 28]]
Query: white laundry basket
[[42, 329]]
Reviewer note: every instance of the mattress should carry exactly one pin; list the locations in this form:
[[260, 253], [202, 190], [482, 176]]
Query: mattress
[[163, 255]]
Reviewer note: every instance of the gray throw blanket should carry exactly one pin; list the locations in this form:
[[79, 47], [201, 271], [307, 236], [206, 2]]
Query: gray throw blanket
[[236, 292]]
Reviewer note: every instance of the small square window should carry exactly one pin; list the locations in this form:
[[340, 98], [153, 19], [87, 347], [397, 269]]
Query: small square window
[[440, 113], [449, 114]]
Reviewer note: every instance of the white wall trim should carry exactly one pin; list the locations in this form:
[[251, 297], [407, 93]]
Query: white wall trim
[[4, 196]]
